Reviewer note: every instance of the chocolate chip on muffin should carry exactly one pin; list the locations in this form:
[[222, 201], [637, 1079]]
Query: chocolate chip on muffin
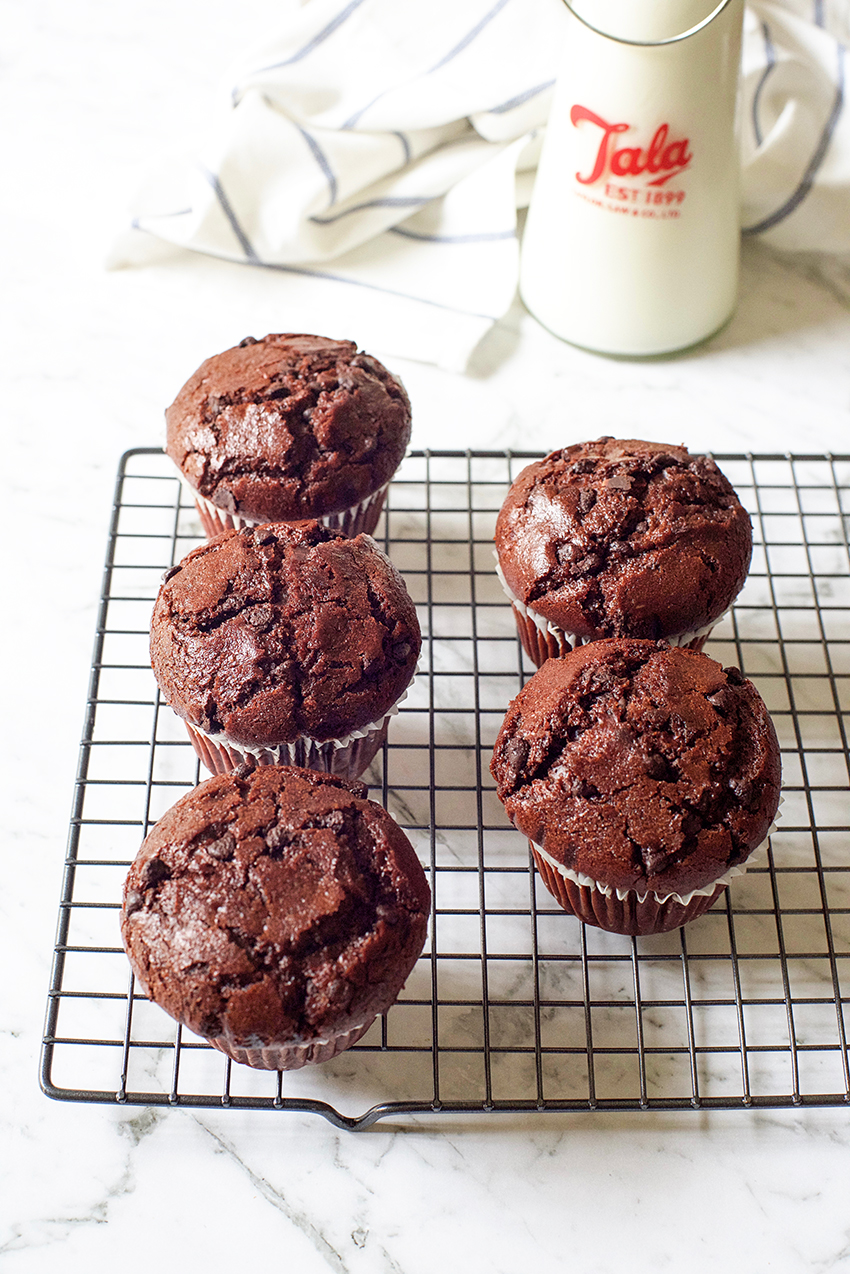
[[276, 912], [285, 642], [289, 427], [637, 767], [621, 538]]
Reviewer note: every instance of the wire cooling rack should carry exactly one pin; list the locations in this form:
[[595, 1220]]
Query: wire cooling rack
[[514, 1006]]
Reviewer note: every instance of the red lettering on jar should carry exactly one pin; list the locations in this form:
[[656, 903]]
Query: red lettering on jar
[[668, 158]]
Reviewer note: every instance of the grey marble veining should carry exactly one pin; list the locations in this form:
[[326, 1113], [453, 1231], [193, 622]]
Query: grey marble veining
[[92, 358]]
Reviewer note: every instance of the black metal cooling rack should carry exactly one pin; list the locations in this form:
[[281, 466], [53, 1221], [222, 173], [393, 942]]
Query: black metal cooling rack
[[514, 1006]]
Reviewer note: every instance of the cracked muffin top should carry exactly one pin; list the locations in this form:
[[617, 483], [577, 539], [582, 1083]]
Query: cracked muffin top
[[644, 766], [285, 629], [621, 538], [274, 906], [288, 427]]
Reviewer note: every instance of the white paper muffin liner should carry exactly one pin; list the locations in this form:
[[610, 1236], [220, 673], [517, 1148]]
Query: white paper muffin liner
[[281, 1057], [359, 518], [291, 1057], [347, 756], [544, 640], [626, 911], [587, 882]]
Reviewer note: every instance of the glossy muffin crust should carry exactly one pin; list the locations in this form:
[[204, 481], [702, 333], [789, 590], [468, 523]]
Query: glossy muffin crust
[[622, 538], [275, 909], [642, 766], [282, 630], [290, 426]]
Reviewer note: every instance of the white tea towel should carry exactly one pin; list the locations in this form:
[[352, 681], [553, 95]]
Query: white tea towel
[[796, 128], [386, 147]]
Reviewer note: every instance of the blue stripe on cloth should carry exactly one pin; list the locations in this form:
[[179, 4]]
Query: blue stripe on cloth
[[483, 237], [770, 55], [349, 123], [452, 53], [244, 241], [318, 38], [373, 287], [391, 201], [322, 160], [519, 100], [815, 162], [818, 14], [406, 146], [469, 37], [355, 283]]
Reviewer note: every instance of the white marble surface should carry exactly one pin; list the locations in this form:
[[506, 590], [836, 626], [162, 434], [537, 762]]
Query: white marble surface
[[90, 92]]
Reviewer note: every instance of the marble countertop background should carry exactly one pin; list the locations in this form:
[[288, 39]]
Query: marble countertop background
[[90, 93]]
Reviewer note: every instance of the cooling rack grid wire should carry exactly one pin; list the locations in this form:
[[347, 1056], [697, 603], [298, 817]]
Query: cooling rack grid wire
[[514, 1006]]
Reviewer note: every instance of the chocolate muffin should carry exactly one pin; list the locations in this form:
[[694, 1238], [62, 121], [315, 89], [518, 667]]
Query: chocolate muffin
[[276, 912], [644, 776], [620, 539], [285, 643], [286, 428]]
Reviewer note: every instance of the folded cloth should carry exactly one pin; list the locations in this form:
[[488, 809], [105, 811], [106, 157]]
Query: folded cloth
[[387, 147], [796, 128]]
